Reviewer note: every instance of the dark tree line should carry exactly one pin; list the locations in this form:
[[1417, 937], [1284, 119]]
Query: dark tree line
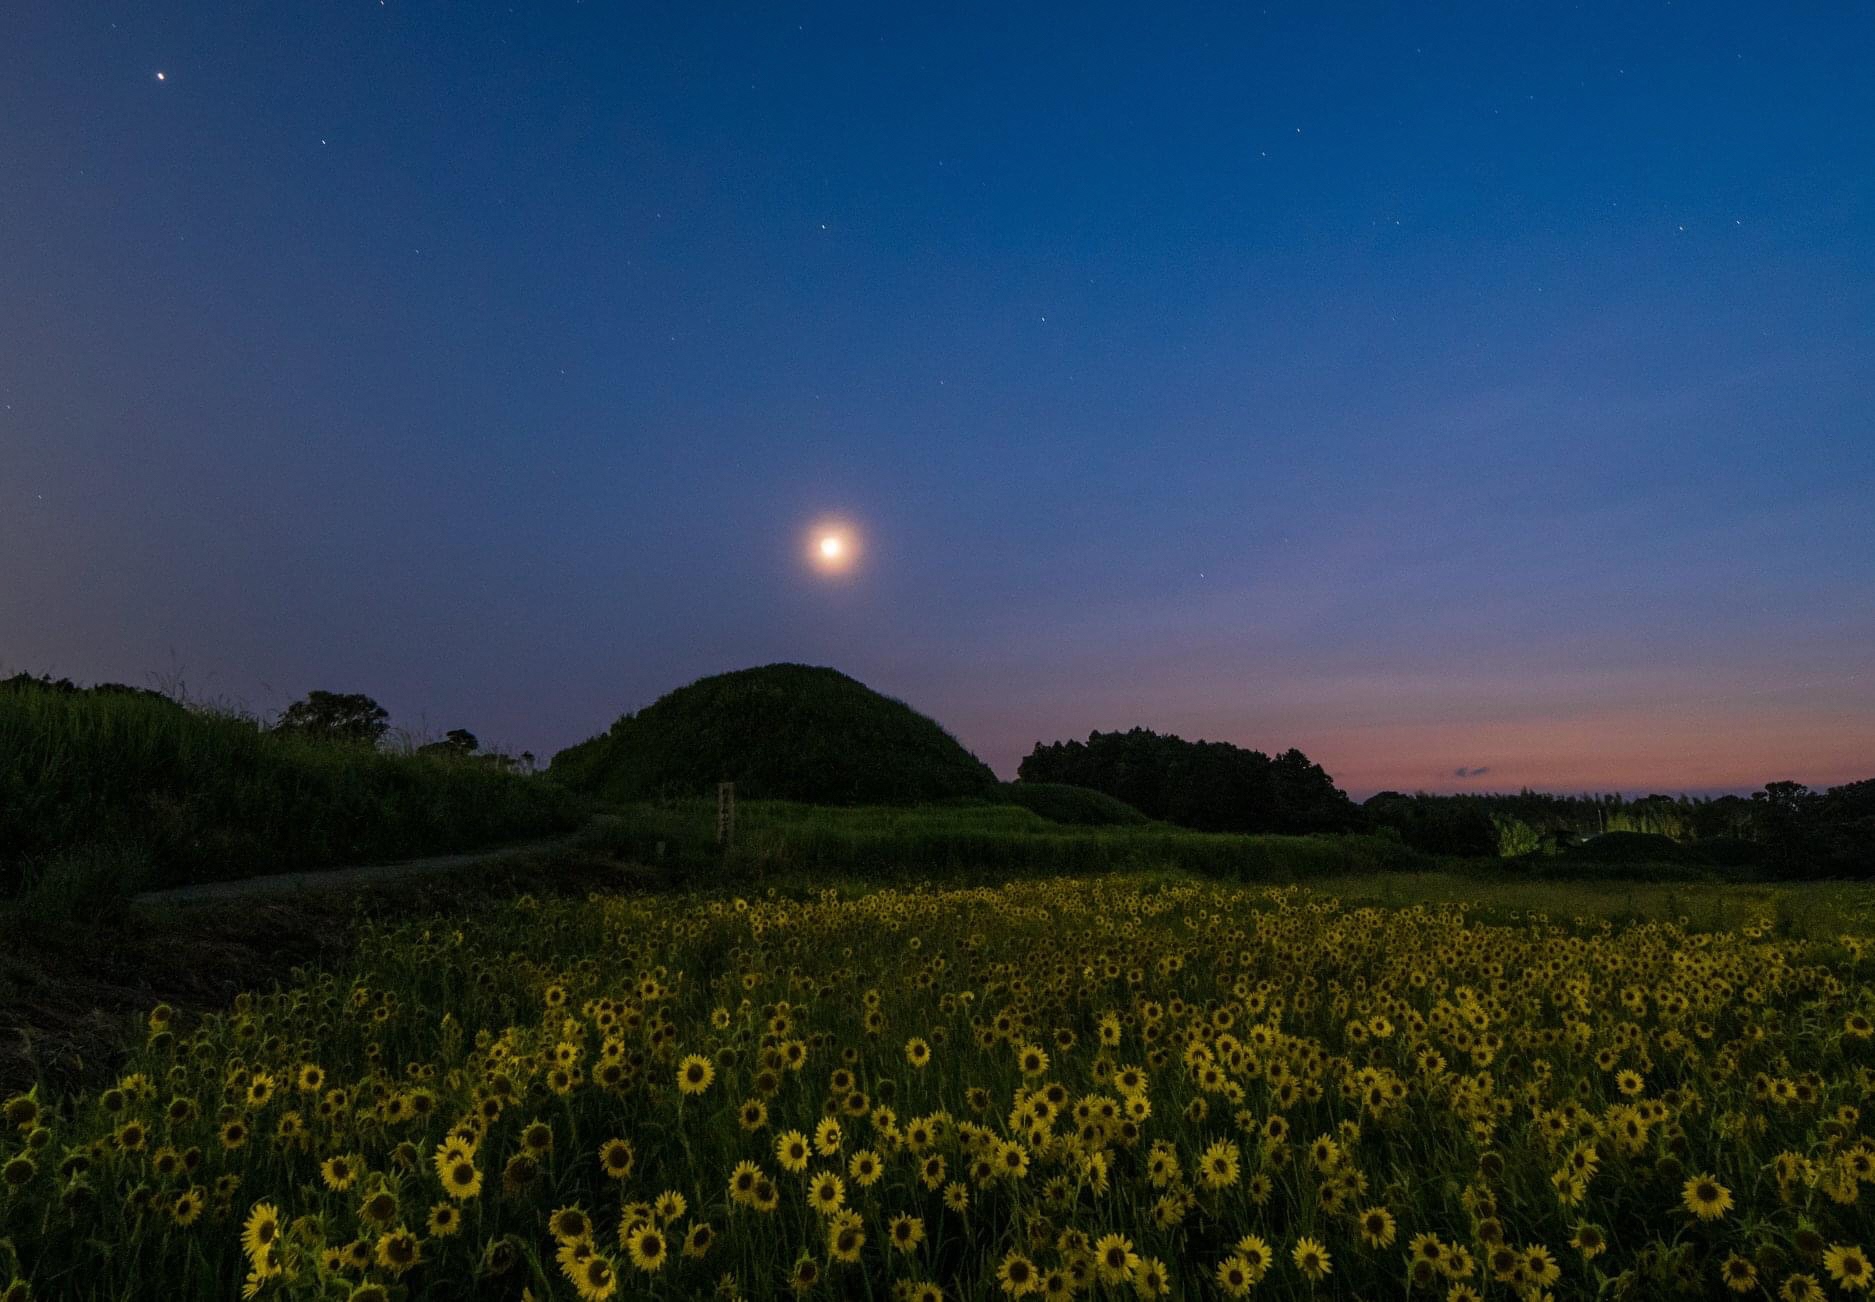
[[1786, 829], [1209, 785]]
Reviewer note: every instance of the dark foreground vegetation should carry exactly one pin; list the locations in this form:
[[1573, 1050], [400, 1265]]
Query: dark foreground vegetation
[[103, 788]]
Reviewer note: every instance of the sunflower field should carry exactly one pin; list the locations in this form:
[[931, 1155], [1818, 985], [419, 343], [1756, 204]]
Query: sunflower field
[[1109, 1086]]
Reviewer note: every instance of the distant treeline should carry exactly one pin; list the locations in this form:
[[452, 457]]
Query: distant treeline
[[1785, 829], [1209, 785], [1531, 821]]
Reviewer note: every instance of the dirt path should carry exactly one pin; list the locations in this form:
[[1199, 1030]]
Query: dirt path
[[321, 879]]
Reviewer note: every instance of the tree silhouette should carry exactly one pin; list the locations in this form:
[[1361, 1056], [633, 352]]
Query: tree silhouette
[[348, 717]]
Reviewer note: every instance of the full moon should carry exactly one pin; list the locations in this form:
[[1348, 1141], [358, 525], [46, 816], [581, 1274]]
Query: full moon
[[833, 545]]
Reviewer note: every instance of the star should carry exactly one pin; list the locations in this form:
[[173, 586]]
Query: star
[[162, 76]]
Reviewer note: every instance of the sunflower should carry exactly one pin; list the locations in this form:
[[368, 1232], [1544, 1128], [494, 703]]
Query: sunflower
[[616, 1158], [1255, 1255], [695, 1073], [1705, 1197], [752, 1115], [187, 1208], [791, 1150], [1234, 1277], [537, 1139], [260, 1230], [461, 1177], [594, 1279], [1589, 1241], [339, 1172], [649, 1248], [1218, 1167], [1848, 1266], [570, 1225], [826, 1193], [398, 1250], [845, 1237], [906, 1232], [1311, 1258], [1115, 1259], [917, 1052], [697, 1242], [1377, 1227], [865, 1167], [1016, 1275], [1738, 1274]]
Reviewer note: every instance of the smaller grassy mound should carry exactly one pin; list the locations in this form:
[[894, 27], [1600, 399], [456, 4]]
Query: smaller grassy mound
[[779, 732], [92, 778], [1075, 806]]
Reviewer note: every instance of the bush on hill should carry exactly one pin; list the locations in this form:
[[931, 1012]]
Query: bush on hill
[[779, 732]]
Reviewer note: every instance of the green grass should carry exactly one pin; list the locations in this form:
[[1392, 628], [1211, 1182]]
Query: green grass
[[980, 841], [192, 796]]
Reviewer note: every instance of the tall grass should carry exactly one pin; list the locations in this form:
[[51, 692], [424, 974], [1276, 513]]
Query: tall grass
[[779, 839], [202, 796]]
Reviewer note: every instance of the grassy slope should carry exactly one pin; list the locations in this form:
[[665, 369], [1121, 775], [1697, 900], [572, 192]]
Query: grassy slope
[[188, 796]]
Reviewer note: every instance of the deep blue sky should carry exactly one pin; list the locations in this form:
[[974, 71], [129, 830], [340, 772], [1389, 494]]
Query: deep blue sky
[[1488, 390]]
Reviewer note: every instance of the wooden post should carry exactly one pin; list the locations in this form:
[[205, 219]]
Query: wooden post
[[725, 814]]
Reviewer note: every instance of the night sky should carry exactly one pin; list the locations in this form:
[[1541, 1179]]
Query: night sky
[[1472, 400]]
